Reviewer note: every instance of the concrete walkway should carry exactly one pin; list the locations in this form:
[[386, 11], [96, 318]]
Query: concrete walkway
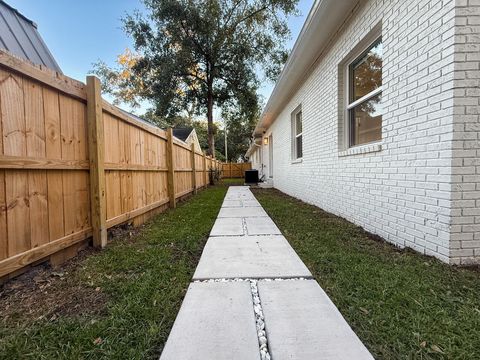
[[253, 298]]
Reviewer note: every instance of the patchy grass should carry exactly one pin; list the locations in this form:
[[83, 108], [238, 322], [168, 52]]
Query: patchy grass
[[119, 303], [233, 181], [401, 304]]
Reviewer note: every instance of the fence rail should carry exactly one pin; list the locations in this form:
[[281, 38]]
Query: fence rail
[[72, 165], [235, 170]]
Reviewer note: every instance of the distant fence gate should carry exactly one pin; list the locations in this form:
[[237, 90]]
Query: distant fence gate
[[72, 165], [235, 170]]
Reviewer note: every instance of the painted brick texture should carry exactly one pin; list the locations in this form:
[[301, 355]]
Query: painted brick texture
[[465, 229], [419, 187]]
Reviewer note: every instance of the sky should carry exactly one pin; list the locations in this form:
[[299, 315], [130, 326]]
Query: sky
[[79, 33]]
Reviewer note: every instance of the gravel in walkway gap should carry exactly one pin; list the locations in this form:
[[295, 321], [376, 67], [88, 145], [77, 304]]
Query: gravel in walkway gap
[[252, 297]]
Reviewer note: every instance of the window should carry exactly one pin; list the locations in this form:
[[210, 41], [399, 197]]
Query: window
[[364, 105], [297, 146]]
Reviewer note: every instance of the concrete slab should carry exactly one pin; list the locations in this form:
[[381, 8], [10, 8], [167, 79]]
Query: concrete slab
[[238, 187], [239, 191], [227, 226], [251, 203], [241, 212], [249, 257], [239, 196], [261, 226], [216, 321], [232, 203], [302, 323], [243, 202]]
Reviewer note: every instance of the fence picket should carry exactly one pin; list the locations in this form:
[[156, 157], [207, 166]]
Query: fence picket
[[234, 170], [55, 124]]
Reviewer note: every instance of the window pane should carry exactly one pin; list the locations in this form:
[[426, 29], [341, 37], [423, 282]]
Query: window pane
[[298, 123], [366, 72], [366, 121], [298, 143]]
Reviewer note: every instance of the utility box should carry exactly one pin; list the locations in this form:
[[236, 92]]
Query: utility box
[[251, 176]]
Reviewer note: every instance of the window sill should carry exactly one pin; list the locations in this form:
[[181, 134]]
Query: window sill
[[298, 161], [362, 149]]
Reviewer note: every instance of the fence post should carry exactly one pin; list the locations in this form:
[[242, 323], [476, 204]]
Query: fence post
[[194, 169], [171, 169], [205, 169], [96, 151]]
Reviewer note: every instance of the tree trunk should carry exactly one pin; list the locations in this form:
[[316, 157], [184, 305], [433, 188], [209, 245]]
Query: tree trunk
[[211, 139]]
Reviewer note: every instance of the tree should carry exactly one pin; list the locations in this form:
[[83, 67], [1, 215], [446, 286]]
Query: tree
[[201, 127], [240, 119], [198, 54]]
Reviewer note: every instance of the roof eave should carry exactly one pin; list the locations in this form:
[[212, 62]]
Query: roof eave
[[253, 146], [324, 19]]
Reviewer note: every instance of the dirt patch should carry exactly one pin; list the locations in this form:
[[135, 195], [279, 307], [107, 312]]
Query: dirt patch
[[46, 293], [125, 232]]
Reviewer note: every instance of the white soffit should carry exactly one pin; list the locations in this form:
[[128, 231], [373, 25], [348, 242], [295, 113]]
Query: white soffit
[[324, 19]]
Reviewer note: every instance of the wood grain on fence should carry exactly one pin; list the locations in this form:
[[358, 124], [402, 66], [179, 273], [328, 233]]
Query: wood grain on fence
[[62, 180]]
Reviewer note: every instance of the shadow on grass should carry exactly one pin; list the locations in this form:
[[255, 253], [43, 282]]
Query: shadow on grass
[[135, 285]]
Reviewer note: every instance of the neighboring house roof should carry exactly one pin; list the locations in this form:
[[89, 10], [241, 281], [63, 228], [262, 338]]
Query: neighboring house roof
[[182, 133], [188, 135], [19, 36], [324, 19]]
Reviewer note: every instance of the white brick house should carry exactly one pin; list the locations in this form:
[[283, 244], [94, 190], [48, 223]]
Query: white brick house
[[375, 118]]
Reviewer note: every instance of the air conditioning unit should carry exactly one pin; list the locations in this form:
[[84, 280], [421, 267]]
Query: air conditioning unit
[[251, 177]]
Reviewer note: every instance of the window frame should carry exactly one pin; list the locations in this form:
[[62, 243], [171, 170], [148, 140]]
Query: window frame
[[368, 43], [294, 135]]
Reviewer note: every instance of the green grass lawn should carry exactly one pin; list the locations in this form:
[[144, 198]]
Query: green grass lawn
[[401, 304], [119, 303]]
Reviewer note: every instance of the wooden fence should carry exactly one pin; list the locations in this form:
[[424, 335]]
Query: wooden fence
[[72, 165], [235, 170]]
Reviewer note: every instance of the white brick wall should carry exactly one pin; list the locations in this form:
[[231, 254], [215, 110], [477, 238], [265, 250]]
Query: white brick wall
[[256, 160], [465, 230], [421, 188]]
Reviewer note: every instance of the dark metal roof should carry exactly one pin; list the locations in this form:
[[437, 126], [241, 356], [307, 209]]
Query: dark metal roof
[[182, 133], [19, 36]]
